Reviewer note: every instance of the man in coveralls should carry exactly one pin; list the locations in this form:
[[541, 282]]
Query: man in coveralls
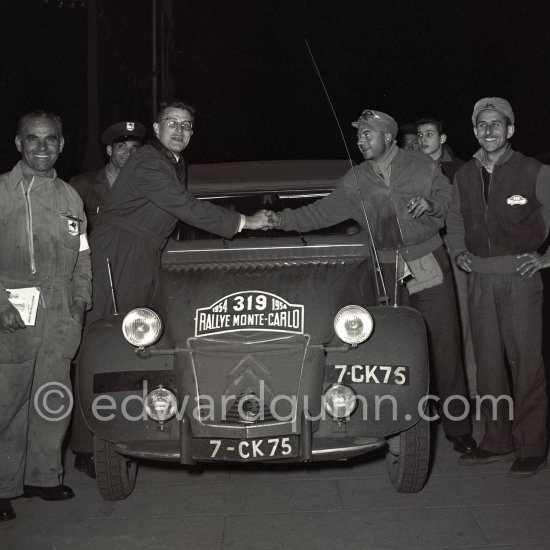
[[121, 140], [43, 248], [497, 220], [406, 198], [139, 215]]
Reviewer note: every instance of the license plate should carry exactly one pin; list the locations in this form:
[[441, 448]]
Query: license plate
[[372, 374], [242, 450]]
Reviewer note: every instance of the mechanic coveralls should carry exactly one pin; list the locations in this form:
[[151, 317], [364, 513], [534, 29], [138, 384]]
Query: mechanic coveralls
[[42, 244]]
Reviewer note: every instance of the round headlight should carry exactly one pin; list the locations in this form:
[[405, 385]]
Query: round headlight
[[142, 327], [340, 401], [161, 404], [353, 324]]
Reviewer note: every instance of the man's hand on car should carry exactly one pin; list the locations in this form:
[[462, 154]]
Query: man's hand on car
[[10, 320]]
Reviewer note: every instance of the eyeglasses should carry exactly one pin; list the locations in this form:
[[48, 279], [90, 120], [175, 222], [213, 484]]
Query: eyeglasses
[[174, 123]]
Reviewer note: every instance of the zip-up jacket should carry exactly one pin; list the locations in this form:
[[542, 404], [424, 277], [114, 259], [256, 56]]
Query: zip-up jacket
[[513, 220], [412, 174], [40, 236]]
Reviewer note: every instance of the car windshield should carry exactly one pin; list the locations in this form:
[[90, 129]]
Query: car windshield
[[249, 204]]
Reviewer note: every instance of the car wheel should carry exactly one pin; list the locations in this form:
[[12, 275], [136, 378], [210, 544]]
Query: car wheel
[[115, 474], [408, 458]]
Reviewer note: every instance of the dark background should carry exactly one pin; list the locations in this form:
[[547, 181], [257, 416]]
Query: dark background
[[244, 64]]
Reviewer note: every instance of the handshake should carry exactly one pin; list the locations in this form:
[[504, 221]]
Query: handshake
[[263, 219]]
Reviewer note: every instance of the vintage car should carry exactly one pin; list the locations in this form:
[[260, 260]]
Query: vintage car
[[271, 346]]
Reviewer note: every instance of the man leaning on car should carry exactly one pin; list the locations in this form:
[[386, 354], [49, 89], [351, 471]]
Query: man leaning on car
[[406, 197]]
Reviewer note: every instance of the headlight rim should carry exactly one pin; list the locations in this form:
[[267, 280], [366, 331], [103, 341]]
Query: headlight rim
[[351, 409], [126, 329], [147, 408], [368, 322]]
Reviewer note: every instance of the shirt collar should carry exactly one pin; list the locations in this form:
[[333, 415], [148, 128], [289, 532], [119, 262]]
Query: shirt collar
[[17, 177], [383, 165], [481, 157]]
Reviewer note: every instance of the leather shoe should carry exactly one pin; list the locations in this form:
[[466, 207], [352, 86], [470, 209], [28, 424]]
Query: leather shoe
[[463, 443], [6, 510], [85, 463], [528, 466], [480, 456], [59, 492]]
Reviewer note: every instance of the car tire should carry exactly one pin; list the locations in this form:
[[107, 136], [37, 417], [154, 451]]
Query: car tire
[[408, 458], [115, 474]]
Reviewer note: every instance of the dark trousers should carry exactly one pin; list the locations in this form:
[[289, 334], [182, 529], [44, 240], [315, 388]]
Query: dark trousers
[[35, 395], [439, 308], [506, 320]]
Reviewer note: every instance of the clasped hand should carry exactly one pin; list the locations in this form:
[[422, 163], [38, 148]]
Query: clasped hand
[[263, 219]]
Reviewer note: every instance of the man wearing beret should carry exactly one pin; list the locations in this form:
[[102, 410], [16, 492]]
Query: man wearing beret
[[405, 196], [497, 221], [121, 140]]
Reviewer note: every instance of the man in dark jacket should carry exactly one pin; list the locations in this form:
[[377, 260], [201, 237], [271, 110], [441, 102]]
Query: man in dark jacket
[[497, 221], [405, 196], [120, 140], [138, 216]]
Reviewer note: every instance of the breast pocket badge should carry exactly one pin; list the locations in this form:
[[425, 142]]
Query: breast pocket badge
[[73, 224], [516, 200]]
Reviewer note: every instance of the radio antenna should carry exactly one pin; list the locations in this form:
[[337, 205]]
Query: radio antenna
[[382, 294], [115, 309]]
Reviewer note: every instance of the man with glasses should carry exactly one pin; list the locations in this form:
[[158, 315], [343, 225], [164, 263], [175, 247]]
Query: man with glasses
[[121, 140], [141, 212]]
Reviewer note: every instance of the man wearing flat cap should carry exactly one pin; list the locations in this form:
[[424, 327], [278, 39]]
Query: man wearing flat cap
[[497, 220], [121, 140], [405, 196]]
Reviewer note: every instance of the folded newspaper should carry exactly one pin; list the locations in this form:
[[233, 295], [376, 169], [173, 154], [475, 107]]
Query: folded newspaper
[[25, 300]]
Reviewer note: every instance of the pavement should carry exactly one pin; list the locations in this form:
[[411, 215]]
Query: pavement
[[343, 505]]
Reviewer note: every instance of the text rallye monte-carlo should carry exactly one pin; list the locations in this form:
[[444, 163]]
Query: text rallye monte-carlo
[[271, 346]]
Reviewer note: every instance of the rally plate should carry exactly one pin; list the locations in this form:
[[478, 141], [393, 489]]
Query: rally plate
[[245, 450]]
